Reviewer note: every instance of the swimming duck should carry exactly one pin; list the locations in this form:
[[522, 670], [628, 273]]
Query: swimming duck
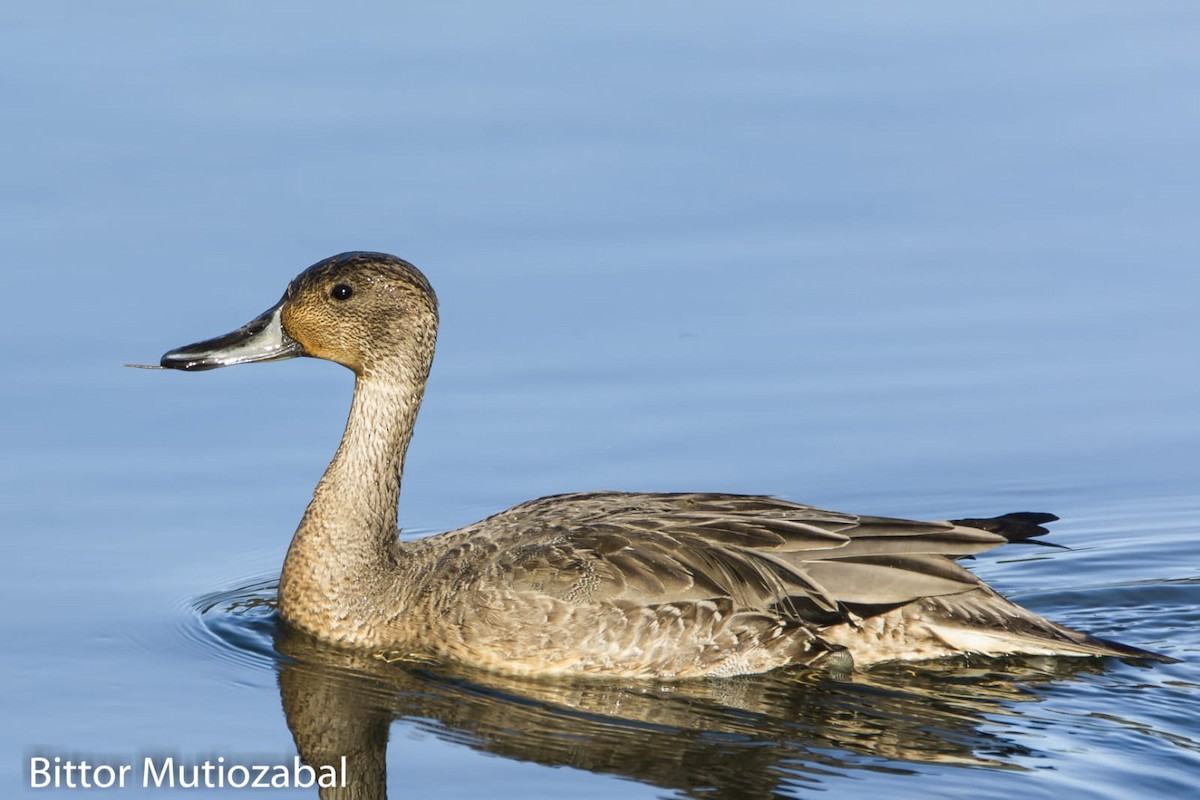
[[631, 585]]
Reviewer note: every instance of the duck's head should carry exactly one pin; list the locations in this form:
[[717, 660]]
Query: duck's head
[[370, 312]]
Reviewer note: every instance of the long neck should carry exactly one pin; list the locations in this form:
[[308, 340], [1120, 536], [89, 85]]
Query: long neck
[[343, 553], [359, 492]]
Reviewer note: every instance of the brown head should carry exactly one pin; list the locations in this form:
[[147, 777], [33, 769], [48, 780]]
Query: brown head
[[372, 312]]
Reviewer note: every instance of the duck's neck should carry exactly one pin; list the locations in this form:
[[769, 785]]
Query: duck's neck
[[344, 552]]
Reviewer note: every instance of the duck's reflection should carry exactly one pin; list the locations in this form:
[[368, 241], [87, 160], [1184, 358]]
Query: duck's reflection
[[745, 738]]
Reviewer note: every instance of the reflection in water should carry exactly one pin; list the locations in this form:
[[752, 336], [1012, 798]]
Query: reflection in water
[[747, 737]]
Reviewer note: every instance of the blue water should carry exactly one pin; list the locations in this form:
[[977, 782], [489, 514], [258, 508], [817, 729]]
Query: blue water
[[927, 260]]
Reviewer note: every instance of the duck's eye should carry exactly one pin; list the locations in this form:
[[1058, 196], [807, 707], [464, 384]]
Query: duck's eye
[[341, 292]]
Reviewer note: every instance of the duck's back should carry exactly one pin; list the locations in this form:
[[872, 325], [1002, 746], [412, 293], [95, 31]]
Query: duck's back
[[674, 585]]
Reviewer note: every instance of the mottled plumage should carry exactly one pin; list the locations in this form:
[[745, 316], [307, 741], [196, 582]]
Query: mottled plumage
[[603, 583]]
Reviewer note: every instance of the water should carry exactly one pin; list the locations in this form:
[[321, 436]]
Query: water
[[931, 261]]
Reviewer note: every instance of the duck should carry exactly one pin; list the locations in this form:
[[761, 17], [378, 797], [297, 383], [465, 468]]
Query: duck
[[630, 585]]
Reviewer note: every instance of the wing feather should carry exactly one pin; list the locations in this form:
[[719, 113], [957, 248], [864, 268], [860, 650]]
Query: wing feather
[[761, 553]]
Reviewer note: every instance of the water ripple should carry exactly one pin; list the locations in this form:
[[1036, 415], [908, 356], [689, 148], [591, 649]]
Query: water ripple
[[236, 625]]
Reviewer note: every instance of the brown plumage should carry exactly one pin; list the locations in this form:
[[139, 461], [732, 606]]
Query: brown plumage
[[604, 583]]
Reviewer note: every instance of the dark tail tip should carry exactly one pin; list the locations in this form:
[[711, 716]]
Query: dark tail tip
[[1021, 526], [1129, 652]]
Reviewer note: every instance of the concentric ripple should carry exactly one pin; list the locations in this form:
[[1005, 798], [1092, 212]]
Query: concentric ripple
[[238, 624]]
